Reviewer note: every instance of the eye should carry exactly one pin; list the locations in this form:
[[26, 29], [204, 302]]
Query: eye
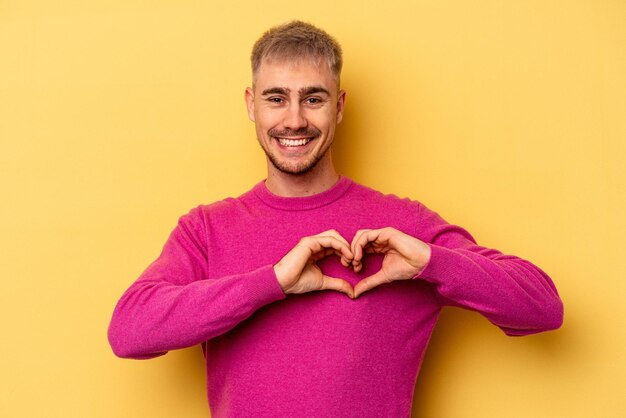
[[313, 100], [275, 100]]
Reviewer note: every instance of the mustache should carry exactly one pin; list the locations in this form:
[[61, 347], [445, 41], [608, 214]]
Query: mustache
[[297, 133]]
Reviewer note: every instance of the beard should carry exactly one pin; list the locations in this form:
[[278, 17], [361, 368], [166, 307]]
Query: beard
[[302, 167], [297, 169]]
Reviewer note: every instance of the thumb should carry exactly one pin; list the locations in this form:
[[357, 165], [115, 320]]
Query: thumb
[[339, 285], [370, 282]]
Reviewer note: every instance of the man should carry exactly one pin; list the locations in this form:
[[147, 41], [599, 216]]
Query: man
[[312, 295]]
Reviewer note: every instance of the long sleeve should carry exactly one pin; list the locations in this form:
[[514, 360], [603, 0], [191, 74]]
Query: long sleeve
[[511, 292], [173, 304]]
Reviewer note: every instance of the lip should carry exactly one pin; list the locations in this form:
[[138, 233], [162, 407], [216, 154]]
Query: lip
[[294, 144], [299, 138]]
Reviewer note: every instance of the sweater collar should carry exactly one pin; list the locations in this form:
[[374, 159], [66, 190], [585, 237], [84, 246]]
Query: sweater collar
[[306, 202]]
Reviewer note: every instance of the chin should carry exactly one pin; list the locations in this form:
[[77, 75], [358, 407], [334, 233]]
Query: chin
[[294, 169]]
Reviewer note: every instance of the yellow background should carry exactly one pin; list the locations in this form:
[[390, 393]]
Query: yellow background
[[116, 117]]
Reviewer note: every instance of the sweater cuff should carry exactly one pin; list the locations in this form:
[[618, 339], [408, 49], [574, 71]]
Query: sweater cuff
[[437, 267], [264, 287]]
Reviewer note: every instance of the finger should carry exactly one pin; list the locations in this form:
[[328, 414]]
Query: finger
[[345, 261], [371, 249], [317, 244], [369, 283], [340, 285], [369, 236], [356, 248], [333, 233], [324, 252], [374, 241], [361, 244]]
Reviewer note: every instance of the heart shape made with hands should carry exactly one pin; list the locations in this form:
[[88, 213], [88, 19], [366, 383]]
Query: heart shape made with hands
[[404, 258]]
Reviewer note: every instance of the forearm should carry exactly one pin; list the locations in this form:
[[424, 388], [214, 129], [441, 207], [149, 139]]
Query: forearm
[[511, 292], [155, 316]]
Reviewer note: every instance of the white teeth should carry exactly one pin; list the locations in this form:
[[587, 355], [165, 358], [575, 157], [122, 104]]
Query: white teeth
[[292, 142]]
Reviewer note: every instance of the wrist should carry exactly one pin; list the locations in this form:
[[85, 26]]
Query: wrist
[[282, 282], [424, 259]]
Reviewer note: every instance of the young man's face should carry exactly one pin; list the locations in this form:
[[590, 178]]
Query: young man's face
[[296, 107]]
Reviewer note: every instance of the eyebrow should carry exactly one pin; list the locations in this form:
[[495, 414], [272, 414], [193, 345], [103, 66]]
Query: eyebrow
[[305, 91], [276, 90]]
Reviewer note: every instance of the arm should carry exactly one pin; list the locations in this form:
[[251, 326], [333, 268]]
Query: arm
[[511, 292], [173, 304]]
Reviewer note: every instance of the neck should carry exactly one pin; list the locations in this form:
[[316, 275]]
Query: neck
[[319, 179]]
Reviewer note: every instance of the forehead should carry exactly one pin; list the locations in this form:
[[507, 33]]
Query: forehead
[[294, 74]]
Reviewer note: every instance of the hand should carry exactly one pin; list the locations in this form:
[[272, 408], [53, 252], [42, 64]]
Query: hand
[[297, 272], [405, 256]]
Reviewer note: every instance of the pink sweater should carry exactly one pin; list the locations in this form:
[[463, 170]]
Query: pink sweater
[[319, 354]]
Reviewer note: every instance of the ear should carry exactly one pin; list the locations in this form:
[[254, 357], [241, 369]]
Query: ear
[[249, 96], [341, 101]]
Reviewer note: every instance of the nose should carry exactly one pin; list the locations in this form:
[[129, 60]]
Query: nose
[[294, 118]]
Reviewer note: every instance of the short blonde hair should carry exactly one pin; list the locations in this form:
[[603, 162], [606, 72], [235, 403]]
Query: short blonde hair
[[297, 40]]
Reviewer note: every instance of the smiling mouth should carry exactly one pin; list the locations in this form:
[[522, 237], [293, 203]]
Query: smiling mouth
[[287, 142]]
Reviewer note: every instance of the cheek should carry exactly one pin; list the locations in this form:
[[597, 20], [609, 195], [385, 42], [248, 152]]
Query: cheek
[[324, 121], [267, 120]]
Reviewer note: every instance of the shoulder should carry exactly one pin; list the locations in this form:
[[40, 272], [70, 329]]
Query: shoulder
[[223, 210], [407, 214], [383, 200]]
